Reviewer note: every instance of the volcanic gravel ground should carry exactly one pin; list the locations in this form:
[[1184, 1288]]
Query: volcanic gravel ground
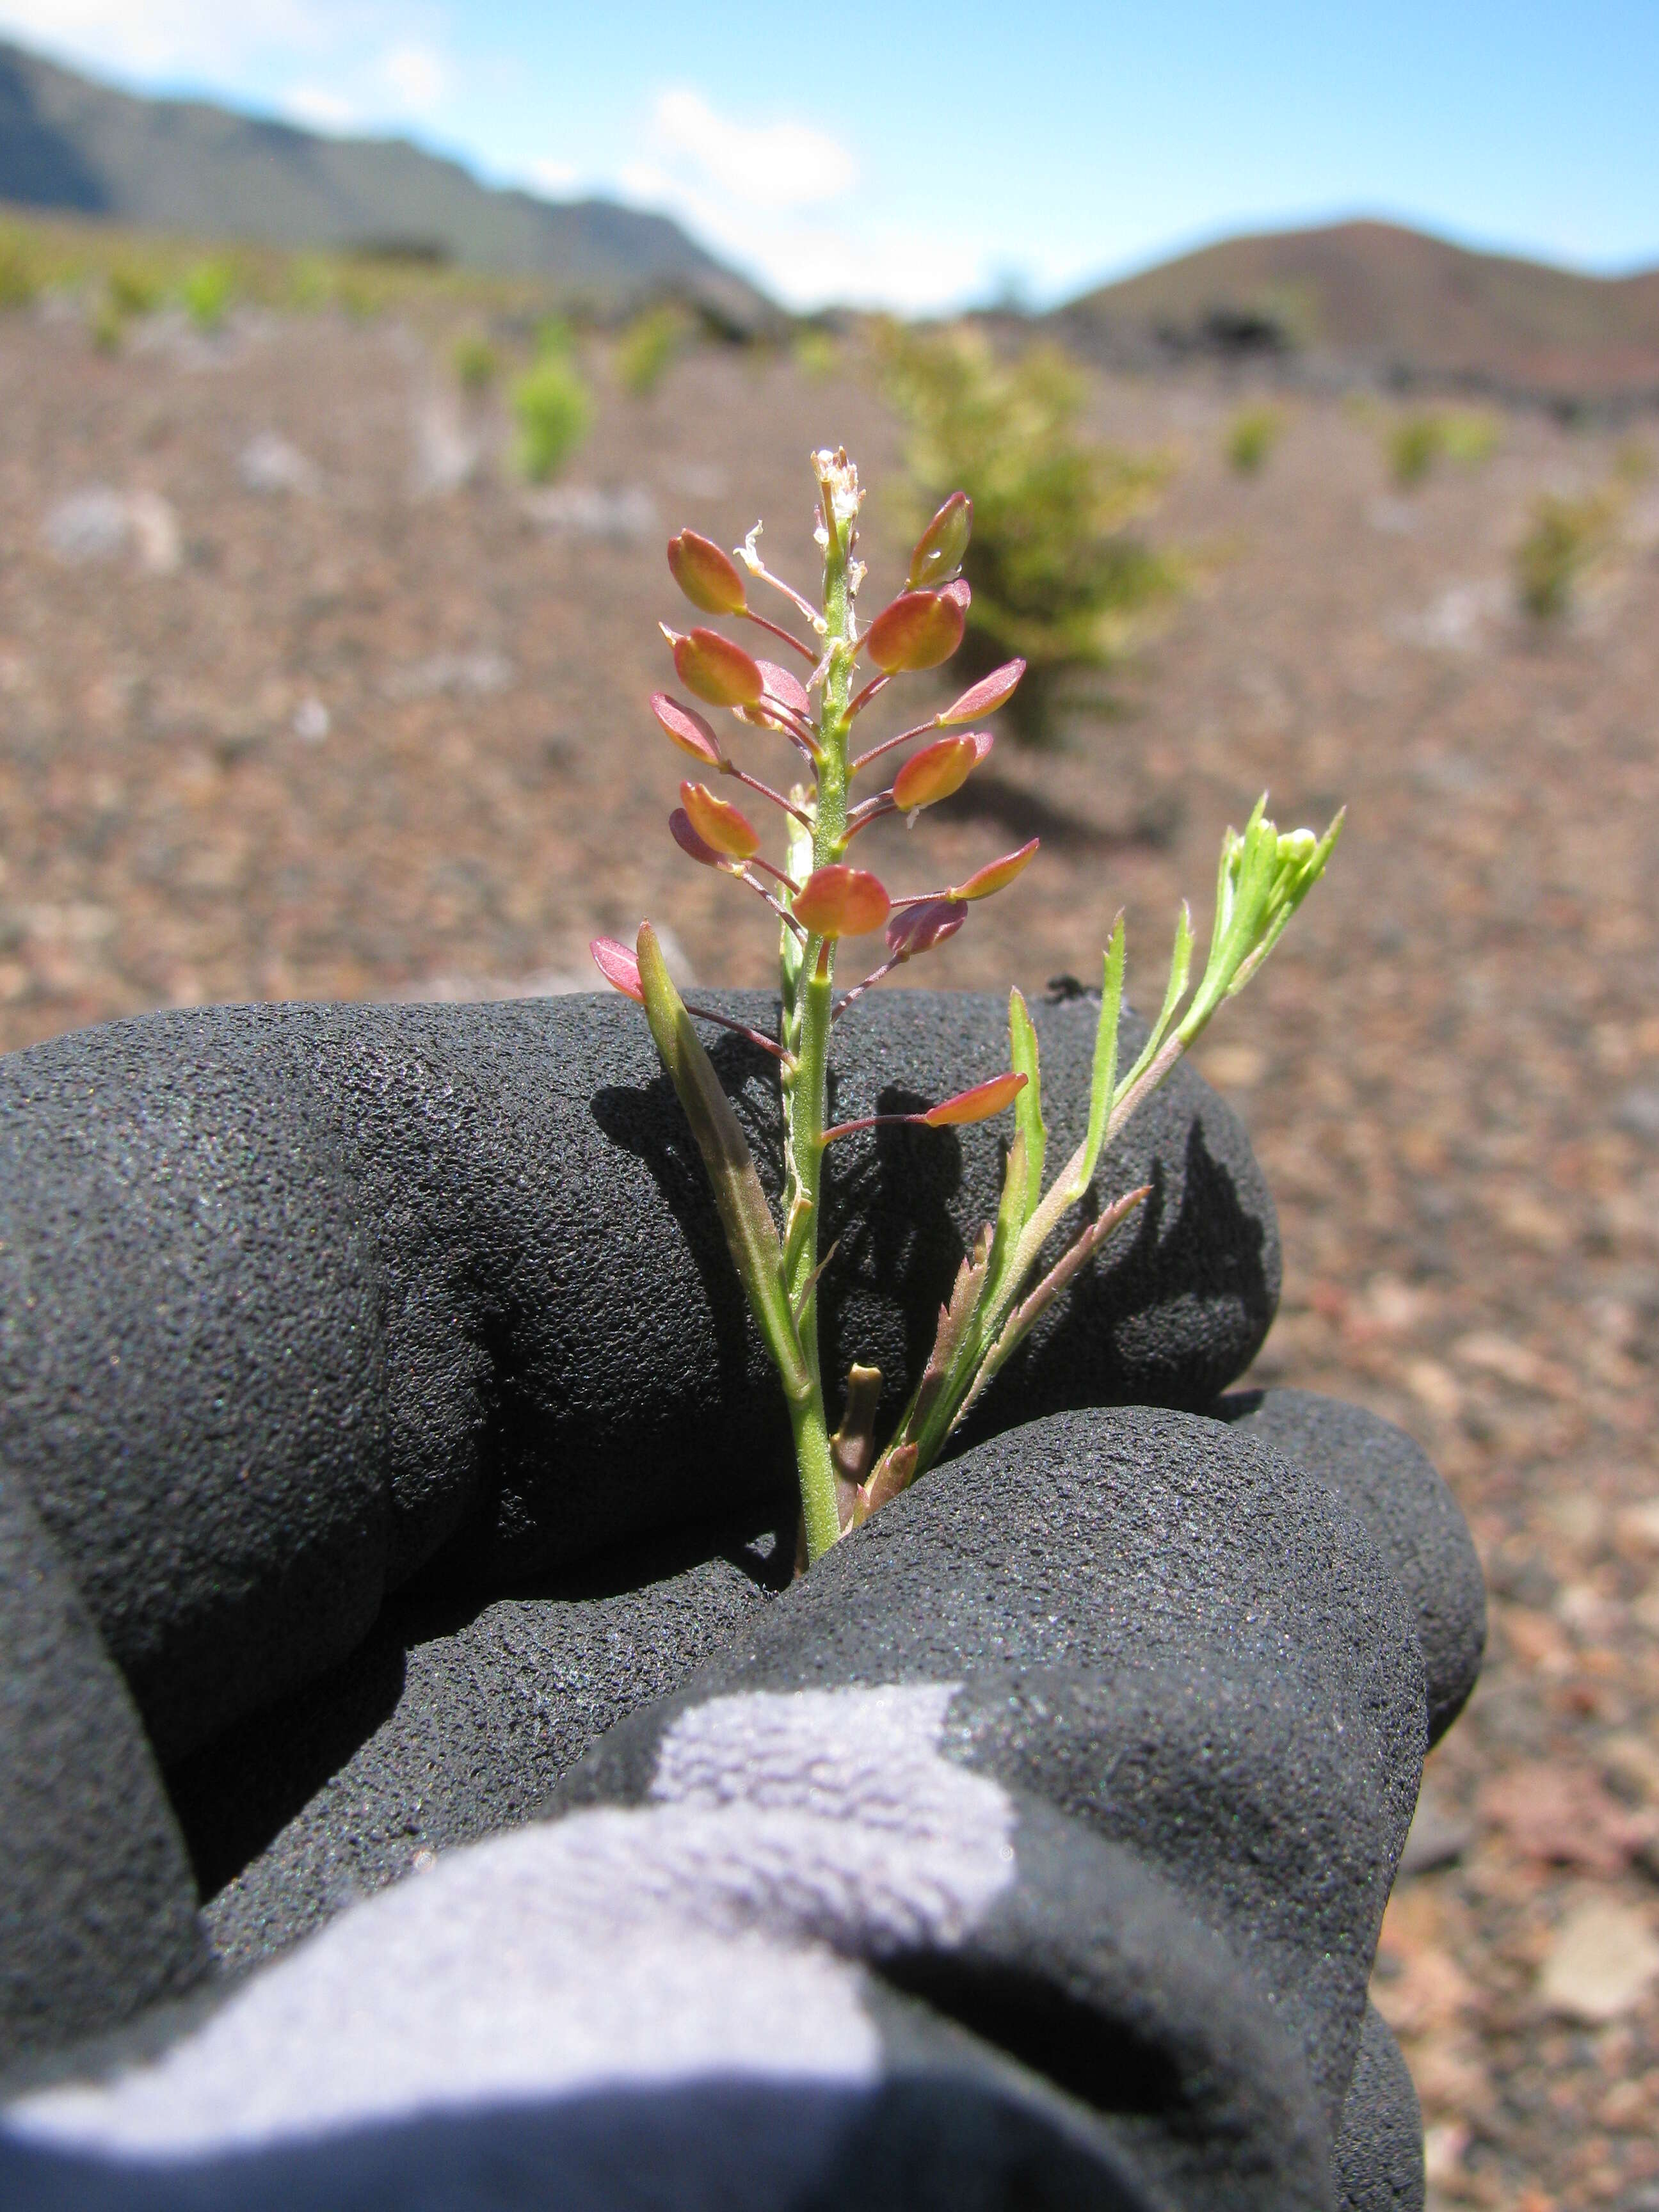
[[301, 696]]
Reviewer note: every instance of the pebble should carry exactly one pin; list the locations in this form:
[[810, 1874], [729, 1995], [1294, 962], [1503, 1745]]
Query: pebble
[[1601, 1962]]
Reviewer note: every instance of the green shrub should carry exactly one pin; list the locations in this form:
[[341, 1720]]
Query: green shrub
[[1414, 444], [816, 353], [1469, 436], [555, 412], [206, 291], [107, 325], [477, 362], [1562, 539], [135, 289], [20, 274], [1058, 574], [1251, 436], [648, 347]]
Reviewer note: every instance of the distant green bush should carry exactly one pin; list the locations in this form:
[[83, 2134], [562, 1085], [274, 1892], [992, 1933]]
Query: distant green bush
[[19, 273], [649, 346], [1465, 436], [1251, 436], [1468, 435], [555, 412], [1414, 448], [206, 290], [135, 289], [1058, 573], [1563, 537], [816, 353], [477, 362]]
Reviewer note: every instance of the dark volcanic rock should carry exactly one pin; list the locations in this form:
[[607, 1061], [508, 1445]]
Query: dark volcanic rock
[[99, 1909], [300, 1300], [1379, 2152], [1384, 1480]]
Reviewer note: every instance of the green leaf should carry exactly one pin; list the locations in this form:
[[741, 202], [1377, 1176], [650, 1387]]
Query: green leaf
[[1023, 1058], [744, 1214], [1103, 1081]]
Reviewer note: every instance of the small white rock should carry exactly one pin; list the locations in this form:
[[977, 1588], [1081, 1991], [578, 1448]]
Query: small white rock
[[311, 721], [269, 464], [1601, 1964]]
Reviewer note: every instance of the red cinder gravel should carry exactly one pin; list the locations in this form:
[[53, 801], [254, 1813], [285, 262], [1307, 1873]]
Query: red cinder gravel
[[346, 738]]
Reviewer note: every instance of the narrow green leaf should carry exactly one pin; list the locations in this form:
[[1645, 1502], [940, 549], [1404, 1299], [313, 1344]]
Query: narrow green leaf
[[1180, 967], [744, 1214], [1103, 1081], [1011, 1217], [1023, 1058]]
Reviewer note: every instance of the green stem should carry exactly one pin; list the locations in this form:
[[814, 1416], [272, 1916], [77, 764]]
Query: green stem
[[807, 1015]]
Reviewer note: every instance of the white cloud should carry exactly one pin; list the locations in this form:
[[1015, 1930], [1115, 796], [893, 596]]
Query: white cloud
[[773, 165], [555, 177], [147, 36], [416, 76], [319, 109]]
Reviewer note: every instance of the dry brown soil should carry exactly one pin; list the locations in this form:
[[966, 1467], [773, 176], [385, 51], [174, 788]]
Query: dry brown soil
[[1451, 1070]]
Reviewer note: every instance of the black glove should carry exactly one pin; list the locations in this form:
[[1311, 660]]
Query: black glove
[[1032, 1851]]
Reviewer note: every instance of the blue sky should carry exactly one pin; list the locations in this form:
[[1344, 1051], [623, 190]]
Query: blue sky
[[924, 156]]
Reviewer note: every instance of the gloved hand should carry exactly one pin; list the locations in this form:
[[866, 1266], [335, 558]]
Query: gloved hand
[[1031, 1850], [293, 1319]]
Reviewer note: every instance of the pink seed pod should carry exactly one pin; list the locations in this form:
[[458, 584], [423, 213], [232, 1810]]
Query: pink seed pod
[[995, 875], [698, 848], [619, 967], [687, 729], [724, 828], [918, 630], [939, 770], [716, 669], [919, 928], [939, 549], [711, 579], [788, 690], [960, 591], [984, 697], [978, 1104], [842, 901]]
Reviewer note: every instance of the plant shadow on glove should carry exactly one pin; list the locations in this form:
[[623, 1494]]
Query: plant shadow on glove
[[1031, 1852]]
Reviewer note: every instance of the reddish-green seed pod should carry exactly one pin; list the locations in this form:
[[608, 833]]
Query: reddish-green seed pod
[[716, 669], [978, 1104], [995, 874], [698, 848], [939, 549], [920, 927], [842, 901], [711, 579], [786, 689], [688, 729], [918, 630], [619, 967], [721, 825], [984, 697], [939, 770]]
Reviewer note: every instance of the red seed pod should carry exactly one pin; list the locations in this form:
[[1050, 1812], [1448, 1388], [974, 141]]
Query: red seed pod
[[688, 729], [995, 874], [978, 1104], [619, 967], [918, 630], [920, 927], [939, 770], [699, 848], [984, 697], [960, 591], [711, 579], [716, 669], [721, 825], [842, 901], [939, 549], [788, 690]]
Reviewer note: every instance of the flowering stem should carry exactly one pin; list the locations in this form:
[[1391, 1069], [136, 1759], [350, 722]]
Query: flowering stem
[[810, 1014]]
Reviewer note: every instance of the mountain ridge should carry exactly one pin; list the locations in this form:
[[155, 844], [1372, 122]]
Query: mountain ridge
[[71, 144]]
